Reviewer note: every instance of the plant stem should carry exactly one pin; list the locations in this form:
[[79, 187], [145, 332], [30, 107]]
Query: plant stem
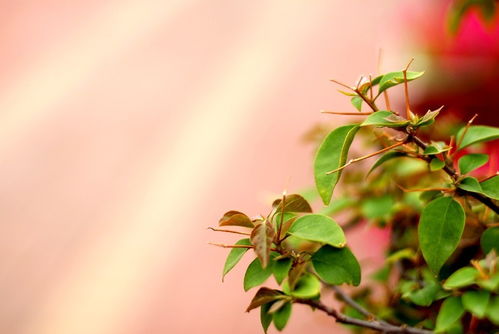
[[375, 325], [228, 231]]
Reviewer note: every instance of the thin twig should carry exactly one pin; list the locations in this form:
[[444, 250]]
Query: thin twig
[[231, 246], [366, 157], [346, 113], [408, 113], [423, 189], [460, 140], [342, 84], [352, 303], [228, 231], [375, 325], [283, 203]]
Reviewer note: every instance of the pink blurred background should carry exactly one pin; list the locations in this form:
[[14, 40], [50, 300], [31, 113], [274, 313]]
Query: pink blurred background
[[128, 127]]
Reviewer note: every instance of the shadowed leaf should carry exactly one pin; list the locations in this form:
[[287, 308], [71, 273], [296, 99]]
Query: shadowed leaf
[[490, 240], [281, 316], [261, 237], [265, 316], [476, 302], [308, 286], [386, 157], [281, 269], [264, 296], [235, 218]]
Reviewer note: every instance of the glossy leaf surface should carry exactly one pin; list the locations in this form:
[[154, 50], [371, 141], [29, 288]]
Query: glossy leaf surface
[[440, 228], [318, 228], [332, 154]]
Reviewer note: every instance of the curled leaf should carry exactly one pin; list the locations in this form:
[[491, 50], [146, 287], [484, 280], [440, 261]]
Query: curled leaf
[[386, 119]]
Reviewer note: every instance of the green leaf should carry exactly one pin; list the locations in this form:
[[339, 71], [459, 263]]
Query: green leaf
[[476, 302], [490, 187], [428, 118], [331, 155], [261, 237], [490, 240], [264, 296], [292, 203], [440, 228], [378, 207], [476, 134], [493, 310], [318, 228], [281, 316], [450, 312], [491, 284], [357, 102], [235, 218], [436, 164], [308, 286], [386, 157], [386, 119], [256, 274], [462, 277], [436, 148], [471, 184], [235, 256], [395, 78], [470, 162], [336, 265], [281, 269], [265, 316], [426, 295]]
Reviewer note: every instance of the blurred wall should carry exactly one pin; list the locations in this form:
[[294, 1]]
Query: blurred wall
[[128, 127]]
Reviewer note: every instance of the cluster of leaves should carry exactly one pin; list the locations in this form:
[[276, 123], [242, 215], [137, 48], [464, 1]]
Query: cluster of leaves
[[441, 271]]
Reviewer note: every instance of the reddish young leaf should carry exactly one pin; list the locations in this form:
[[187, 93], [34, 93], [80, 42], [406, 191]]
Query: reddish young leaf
[[292, 203], [264, 296], [235, 218], [261, 237]]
